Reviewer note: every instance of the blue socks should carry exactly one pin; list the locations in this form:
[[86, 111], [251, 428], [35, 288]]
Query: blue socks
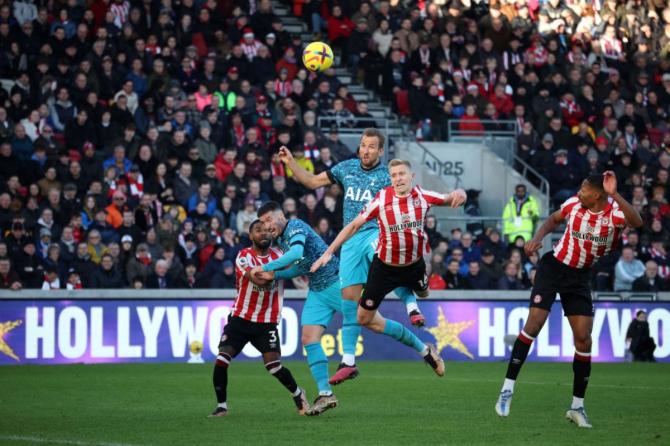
[[407, 296], [401, 334], [318, 365], [350, 331]]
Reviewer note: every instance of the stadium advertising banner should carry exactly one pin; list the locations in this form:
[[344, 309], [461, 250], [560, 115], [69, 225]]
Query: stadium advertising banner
[[114, 331]]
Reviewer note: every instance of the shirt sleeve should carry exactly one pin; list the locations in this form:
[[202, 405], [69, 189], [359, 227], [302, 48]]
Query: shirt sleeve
[[289, 273], [372, 210], [567, 206], [433, 198], [242, 262], [296, 242], [336, 174]]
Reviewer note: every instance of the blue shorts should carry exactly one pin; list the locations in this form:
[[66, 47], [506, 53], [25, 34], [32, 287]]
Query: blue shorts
[[321, 305], [356, 257]]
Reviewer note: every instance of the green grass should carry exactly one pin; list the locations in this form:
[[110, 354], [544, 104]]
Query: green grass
[[390, 403]]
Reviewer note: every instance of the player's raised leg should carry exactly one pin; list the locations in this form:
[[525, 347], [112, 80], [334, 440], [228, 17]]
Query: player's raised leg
[[318, 366], [273, 365], [536, 319], [351, 330], [409, 299], [581, 367]]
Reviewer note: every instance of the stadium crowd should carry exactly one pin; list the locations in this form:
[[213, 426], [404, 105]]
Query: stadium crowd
[[137, 138]]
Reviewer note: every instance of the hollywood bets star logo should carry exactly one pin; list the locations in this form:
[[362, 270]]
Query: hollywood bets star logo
[[6, 327], [447, 334]]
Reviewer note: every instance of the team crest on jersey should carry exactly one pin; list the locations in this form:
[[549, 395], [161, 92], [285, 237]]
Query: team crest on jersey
[[406, 218], [417, 203], [537, 299], [606, 221]]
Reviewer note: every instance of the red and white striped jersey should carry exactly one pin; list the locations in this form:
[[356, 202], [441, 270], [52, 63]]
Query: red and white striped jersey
[[254, 303], [588, 236], [402, 239]]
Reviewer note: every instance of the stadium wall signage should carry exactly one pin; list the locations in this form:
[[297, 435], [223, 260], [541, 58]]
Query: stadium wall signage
[[115, 331]]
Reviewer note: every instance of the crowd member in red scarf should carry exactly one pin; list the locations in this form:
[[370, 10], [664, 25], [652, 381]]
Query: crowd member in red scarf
[[501, 100], [73, 280], [537, 54], [572, 112]]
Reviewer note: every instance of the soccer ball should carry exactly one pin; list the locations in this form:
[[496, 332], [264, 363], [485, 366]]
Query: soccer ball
[[317, 56], [196, 347]]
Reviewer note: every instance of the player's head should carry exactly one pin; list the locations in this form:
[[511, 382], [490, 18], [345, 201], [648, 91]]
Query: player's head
[[401, 174], [260, 235], [371, 147], [272, 215], [592, 192]]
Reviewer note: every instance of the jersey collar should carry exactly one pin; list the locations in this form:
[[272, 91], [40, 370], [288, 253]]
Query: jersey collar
[[360, 163]]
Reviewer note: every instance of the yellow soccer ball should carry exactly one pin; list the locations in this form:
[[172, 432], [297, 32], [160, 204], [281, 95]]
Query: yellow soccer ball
[[317, 56], [196, 347]]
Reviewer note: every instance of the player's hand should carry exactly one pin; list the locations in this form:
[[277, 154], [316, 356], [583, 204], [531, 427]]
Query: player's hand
[[254, 276], [322, 261], [285, 155], [531, 247], [457, 198], [609, 182], [266, 275]]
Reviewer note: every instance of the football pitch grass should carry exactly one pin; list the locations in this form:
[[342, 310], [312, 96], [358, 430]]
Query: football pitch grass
[[389, 403]]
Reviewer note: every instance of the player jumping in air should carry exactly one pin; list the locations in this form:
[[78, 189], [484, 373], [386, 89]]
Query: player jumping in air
[[360, 179], [302, 246], [254, 319], [594, 221], [400, 211]]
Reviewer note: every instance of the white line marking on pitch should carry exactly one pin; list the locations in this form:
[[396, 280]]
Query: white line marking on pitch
[[57, 441]]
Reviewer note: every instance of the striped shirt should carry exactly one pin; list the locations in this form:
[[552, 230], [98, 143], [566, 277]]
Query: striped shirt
[[402, 239], [588, 235], [254, 303]]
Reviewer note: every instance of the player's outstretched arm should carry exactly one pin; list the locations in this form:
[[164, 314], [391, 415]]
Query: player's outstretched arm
[[547, 227], [302, 176], [456, 198], [632, 216], [344, 235]]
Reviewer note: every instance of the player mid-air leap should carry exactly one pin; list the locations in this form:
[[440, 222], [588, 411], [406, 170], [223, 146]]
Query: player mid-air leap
[[360, 179], [594, 221], [400, 211]]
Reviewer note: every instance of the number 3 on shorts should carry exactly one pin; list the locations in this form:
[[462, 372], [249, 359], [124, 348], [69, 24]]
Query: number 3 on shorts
[[273, 335]]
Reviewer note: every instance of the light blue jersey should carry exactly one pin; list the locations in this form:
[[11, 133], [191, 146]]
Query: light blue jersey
[[299, 232], [360, 186]]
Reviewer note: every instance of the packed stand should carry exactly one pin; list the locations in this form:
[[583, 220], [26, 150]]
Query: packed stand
[[139, 138]]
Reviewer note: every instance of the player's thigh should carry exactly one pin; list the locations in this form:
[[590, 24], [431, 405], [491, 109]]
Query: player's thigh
[[547, 284], [318, 309], [414, 277], [381, 281], [235, 336], [355, 258], [266, 338]]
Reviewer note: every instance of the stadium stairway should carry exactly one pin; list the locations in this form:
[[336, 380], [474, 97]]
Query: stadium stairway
[[385, 118]]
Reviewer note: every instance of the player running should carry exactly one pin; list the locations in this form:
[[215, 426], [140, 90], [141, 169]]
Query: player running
[[254, 318], [360, 179], [594, 221], [302, 246], [400, 211]]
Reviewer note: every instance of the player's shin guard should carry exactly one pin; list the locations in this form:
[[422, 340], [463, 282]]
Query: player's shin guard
[[350, 331], [283, 375], [220, 377], [519, 354], [400, 333], [581, 366], [318, 365], [409, 299]]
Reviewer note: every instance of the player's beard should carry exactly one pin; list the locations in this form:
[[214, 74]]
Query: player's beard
[[263, 243]]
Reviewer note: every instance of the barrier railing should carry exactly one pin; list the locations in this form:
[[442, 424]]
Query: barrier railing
[[218, 294]]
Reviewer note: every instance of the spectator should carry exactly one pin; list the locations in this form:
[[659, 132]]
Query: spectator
[[453, 279], [471, 252], [9, 279], [638, 341], [159, 279], [520, 214], [509, 280], [476, 279], [650, 281], [627, 269], [107, 275]]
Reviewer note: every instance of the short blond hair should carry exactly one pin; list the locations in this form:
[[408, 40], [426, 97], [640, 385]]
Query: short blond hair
[[399, 162]]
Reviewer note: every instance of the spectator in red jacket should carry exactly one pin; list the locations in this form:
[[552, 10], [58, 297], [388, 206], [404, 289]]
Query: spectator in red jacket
[[470, 124]]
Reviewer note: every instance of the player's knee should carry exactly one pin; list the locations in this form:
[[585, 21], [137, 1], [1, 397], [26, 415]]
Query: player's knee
[[273, 367], [308, 338], [223, 360], [364, 318], [583, 342]]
